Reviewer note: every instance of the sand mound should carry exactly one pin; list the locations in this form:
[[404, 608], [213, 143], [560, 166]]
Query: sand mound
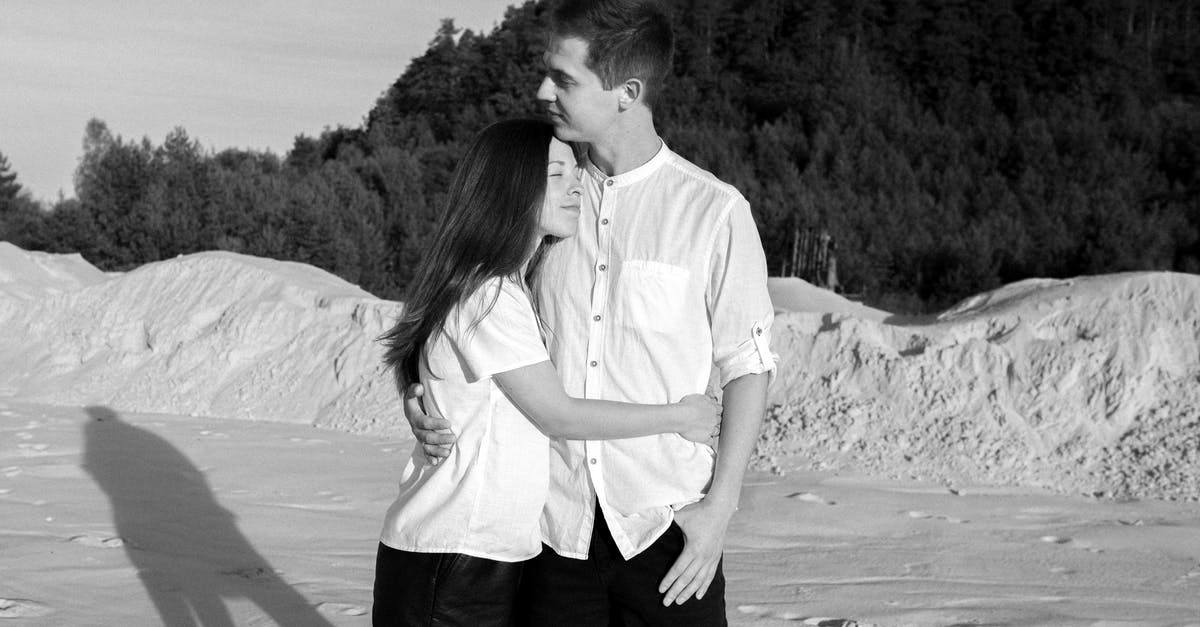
[[26, 274], [214, 333], [791, 294], [1084, 385]]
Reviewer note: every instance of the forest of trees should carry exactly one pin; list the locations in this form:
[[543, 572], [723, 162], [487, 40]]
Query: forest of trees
[[949, 146]]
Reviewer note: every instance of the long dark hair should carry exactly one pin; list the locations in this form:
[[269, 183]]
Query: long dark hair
[[487, 227]]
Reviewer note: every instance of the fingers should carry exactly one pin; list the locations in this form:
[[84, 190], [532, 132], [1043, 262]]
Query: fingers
[[430, 437], [689, 576], [435, 453], [695, 577], [676, 593], [699, 581], [433, 433], [416, 390], [676, 571], [412, 407], [707, 582]]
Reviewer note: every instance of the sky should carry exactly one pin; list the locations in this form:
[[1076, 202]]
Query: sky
[[233, 74]]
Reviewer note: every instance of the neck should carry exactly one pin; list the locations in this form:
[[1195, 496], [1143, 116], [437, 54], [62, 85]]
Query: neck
[[529, 256], [628, 146]]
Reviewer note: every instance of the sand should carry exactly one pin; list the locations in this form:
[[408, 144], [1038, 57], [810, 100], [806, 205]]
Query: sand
[[210, 440], [1085, 385]]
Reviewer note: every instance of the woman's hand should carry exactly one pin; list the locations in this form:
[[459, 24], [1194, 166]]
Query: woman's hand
[[701, 418], [434, 434]]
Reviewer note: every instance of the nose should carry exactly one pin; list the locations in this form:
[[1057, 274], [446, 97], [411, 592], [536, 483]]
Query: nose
[[545, 92], [576, 186]]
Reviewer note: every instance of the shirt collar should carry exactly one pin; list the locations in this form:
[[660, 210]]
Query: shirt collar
[[634, 175]]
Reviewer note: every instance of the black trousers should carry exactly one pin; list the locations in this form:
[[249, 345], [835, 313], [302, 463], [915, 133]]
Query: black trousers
[[607, 590], [423, 589]]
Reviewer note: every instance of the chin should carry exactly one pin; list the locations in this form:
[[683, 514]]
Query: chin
[[565, 133]]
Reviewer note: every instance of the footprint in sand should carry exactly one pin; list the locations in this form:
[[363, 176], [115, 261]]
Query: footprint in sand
[[1075, 544], [317, 507], [309, 441], [251, 573], [23, 608], [800, 617], [809, 497], [97, 541], [342, 609], [918, 569], [921, 515]]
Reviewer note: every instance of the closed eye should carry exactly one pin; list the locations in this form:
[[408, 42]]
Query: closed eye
[[560, 79]]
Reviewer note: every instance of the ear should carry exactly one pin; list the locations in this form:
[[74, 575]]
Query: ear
[[632, 91]]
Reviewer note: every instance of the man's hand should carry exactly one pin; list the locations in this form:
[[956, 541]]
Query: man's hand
[[703, 525], [434, 434]]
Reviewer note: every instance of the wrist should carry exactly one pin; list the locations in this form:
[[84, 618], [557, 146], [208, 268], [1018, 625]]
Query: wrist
[[721, 502], [679, 417]]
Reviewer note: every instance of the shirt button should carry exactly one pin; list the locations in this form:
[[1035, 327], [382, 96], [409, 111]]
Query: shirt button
[[608, 182], [594, 364], [603, 267], [593, 460], [604, 221], [758, 331], [596, 317]]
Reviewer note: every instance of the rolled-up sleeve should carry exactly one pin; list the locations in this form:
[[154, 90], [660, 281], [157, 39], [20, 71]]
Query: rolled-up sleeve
[[739, 306]]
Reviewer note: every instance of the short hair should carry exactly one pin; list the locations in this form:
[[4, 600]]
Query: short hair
[[625, 38]]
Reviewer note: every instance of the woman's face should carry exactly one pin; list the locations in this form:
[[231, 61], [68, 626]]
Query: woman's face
[[560, 208]]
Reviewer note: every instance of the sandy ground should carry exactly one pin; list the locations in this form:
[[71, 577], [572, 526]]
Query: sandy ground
[[115, 518]]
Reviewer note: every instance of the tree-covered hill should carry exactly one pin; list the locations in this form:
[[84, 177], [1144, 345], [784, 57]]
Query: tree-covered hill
[[947, 145]]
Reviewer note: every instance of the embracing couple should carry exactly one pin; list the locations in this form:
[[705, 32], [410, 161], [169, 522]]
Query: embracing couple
[[560, 333]]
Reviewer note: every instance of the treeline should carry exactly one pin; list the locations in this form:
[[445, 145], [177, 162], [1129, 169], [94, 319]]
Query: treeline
[[949, 146]]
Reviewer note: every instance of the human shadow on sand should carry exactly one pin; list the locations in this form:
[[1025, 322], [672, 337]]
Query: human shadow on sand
[[186, 547]]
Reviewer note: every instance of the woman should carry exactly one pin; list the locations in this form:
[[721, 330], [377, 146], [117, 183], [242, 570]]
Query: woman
[[453, 541]]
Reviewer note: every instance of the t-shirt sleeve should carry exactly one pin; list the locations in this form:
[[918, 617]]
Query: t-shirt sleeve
[[496, 330]]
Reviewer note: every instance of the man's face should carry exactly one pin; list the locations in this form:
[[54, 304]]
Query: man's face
[[579, 106]]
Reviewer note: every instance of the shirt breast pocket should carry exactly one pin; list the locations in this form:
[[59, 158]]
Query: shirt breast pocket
[[651, 295]]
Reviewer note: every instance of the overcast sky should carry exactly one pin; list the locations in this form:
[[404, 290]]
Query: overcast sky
[[233, 73]]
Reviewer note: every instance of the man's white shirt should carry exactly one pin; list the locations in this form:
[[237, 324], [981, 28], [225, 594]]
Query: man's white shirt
[[665, 280]]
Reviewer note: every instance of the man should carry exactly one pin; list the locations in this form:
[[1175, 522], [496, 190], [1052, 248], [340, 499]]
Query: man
[[665, 279]]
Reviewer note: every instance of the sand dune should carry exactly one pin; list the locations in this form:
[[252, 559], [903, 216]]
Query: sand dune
[[215, 334], [1081, 385]]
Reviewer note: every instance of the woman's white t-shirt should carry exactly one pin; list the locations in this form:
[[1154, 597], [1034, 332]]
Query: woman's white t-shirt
[[486, 498]]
